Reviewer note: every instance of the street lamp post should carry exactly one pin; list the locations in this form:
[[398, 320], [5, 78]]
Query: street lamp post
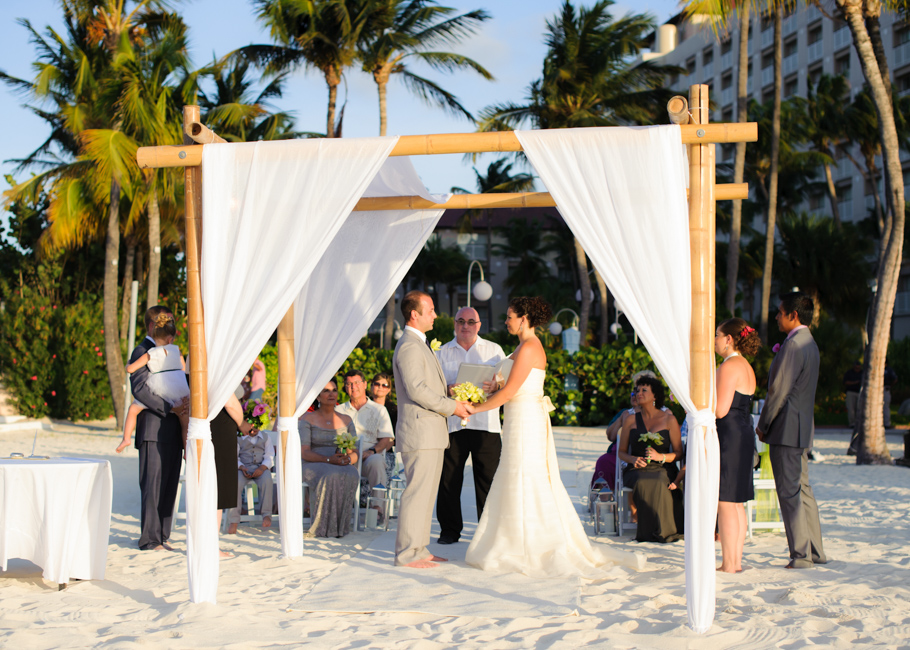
[[482, 291], [396, 335]]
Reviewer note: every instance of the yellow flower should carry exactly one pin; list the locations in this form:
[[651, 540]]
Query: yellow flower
[[435, 345]]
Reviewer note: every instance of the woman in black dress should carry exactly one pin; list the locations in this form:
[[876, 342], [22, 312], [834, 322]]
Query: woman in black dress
[[736, 435], [650, 443]]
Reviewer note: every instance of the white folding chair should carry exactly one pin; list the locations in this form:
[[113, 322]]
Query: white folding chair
[[621, 495], [356, 513], [766, 484]]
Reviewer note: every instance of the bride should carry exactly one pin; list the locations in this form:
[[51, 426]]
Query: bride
[[529, 524]]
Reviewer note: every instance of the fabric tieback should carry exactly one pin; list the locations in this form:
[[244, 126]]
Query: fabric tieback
[[199, 429], [702, 418], [288, 424]]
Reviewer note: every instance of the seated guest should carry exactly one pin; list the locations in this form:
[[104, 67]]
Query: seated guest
[[329, 473], [373, 425], [650, 444], [605, 467], [381, 392], [255, 458]]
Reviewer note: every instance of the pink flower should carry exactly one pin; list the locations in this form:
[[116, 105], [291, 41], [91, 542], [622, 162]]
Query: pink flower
[[96, 348], [35, 378], [85, 372], [53, 393], [258, 410], [775, 348]]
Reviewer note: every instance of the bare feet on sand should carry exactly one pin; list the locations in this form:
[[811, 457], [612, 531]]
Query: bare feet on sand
[[436, 558], [266, 522], [728, 569], [232, 529], [421, 564], [224, 555]]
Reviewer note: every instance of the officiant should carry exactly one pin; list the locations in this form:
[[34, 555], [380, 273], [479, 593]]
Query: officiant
[[480, 438]]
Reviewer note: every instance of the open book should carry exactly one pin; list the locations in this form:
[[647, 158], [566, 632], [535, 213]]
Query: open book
[[477, 373]]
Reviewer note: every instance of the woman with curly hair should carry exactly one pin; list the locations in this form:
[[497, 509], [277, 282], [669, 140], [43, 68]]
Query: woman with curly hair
[[736, 435], [529, 524], [651, 444]]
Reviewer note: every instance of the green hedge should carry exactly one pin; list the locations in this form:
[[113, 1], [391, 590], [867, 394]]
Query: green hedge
[[52, 359]]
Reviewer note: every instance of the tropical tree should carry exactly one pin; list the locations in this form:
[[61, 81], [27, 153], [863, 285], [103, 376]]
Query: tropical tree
[[827, 121], [524, 247], [322, 35], [438, 264], [863, 18], [589, 78], [407, 32], [827, 262]]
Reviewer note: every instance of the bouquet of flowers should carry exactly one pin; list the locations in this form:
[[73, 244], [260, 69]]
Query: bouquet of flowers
[[345, 442], [468, 392], [256, 412], [650, 436]]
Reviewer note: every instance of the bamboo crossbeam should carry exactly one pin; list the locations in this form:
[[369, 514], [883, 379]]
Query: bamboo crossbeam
[[201, 134], [726, 192], [443, 143]]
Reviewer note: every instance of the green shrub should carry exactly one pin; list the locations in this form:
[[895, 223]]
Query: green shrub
[[83, 372]]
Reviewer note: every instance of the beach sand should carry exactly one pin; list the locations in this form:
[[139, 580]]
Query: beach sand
[[860, 599]]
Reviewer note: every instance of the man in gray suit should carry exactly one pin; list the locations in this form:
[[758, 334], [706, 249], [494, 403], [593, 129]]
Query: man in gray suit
[[422, 433], [787, 425]]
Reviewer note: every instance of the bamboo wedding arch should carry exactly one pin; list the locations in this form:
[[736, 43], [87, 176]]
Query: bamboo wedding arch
[[697, 134]]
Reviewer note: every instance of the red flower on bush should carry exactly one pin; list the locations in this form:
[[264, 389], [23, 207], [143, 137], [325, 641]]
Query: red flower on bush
[[96, 348], [85, 372], [99, 354], [86, 415], [54, 393], [34, 378]]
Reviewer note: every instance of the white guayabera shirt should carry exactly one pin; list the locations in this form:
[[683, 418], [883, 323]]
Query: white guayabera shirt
[[451, 356]]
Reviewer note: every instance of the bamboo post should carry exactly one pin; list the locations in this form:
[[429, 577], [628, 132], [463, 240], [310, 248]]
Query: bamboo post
[[678, 110], [287, 376], [701, 248], [199, 362]]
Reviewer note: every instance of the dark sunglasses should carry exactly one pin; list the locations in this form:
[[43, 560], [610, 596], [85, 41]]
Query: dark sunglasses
[[380, 384]]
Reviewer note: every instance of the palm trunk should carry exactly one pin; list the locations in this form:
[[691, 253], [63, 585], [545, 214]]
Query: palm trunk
[[832, 196], [873, 448], [332, 81], [127, 289], [389, 328], [604, 295], [584, 282], [772, 179], [112, 355], [739, 163], [154, 249]]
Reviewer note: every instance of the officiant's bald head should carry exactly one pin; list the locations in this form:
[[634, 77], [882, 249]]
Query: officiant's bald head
[[467, 326]]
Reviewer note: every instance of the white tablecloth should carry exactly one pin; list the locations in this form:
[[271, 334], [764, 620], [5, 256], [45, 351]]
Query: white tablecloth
[[57, 514]]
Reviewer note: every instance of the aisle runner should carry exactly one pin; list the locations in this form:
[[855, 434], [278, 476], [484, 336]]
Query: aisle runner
[[369, 583]]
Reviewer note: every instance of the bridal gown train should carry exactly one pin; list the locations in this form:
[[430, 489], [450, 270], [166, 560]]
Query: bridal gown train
[[529, 524]]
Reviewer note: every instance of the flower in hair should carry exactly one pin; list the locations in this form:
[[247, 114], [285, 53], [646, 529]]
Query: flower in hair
[[746, 331]]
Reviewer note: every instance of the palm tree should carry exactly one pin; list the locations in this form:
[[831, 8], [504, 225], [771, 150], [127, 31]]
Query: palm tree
[[589, 79], [406, 31], [828, 262], [828, 123], [719, 13], [318, 34], [524, 248]]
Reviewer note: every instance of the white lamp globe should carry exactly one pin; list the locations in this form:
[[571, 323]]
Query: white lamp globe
[[483, 291], [555, 328], [615, 328], [397, 334]]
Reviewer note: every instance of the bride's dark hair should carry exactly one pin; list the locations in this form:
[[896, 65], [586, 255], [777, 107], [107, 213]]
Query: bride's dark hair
[[537, 311]]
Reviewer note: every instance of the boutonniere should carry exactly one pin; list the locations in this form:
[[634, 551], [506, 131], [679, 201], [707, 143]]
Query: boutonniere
[[775, 348], [435, 345]]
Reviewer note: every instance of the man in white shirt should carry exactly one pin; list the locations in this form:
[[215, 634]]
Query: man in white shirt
[[373, 424], [480, 438]]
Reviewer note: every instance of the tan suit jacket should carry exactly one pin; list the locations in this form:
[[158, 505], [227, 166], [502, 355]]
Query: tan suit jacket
[[421, 390]]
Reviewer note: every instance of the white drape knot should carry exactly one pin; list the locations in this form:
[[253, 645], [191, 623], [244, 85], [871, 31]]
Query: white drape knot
[[702, 418], [286, 424], [199, 429]]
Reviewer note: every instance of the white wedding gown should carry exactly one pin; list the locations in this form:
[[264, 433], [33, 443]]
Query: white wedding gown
[[529, 524]]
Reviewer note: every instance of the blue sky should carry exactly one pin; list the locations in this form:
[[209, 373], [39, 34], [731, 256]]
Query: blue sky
[[510, 45]]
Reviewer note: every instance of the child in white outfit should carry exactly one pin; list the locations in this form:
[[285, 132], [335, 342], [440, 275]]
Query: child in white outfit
[[167, 375]]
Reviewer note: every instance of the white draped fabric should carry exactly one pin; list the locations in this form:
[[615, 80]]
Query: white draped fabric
[[622, 191], [349, 286], [270, 211]]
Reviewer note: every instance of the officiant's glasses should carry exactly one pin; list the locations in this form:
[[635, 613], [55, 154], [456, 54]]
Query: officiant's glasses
[[471, 323]]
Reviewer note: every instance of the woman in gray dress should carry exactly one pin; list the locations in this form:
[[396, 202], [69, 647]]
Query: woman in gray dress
[[332, 476]]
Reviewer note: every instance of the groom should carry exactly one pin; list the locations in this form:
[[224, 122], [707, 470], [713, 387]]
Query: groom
[[422, 433]]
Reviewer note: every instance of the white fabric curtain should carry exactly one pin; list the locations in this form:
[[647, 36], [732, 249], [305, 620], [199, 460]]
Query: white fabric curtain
[[346, 291], [622, 191], [270, 211]]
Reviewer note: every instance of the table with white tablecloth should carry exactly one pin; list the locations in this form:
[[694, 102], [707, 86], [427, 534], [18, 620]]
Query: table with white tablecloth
[[57, 514]]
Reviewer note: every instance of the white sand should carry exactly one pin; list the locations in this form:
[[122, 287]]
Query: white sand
[[861, 598]]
